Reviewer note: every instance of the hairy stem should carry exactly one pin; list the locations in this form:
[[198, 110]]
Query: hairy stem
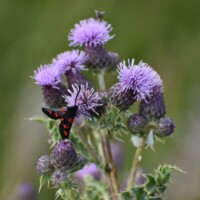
[[136, 160], [110, 169]]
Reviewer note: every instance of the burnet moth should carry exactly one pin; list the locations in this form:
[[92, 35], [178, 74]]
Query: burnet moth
[[66, 116]]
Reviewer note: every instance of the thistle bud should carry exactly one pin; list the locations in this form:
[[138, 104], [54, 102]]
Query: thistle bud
[[58, 177], [76, 78], [79, 164], [63, 155], [153, 107], [122, 99], [53, 96], [165, 127], [136, 124], [99, 58], [44, 166]]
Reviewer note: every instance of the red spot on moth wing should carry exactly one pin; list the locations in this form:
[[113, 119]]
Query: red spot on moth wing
[[62, 110], [49, 111], [70, 120], [65, 133], [65, 126], [56, 114], [61, 118]]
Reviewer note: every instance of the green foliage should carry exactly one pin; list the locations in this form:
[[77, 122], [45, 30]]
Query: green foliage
[[154, 186], [95, 190], [113, 121], [68, 190], [43, 180]]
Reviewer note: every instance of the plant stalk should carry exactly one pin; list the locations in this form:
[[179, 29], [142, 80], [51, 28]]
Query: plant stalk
[[101, 80], [136, 160], [110, 169]]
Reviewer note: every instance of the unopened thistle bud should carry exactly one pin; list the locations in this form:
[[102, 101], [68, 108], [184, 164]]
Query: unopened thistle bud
[[165, 127], [63, 155], [120, 98], [44, 166], [100, 59], [154, 106], [58, 177], [76, 78], [53, 96], [79, 164], [136, 124]]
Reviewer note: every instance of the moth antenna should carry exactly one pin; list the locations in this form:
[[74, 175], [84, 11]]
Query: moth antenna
[[79, 89]]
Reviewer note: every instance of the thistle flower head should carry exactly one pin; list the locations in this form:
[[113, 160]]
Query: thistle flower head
[[63, 155], [121, 98], [90, 32], [165, 126], [44, 166], [136, 124], [47, 75], [58, 177], [153, 107], [140, 78], [70, 61], [88, 101]]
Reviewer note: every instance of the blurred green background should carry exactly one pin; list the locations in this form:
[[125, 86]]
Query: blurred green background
[[164, 34]]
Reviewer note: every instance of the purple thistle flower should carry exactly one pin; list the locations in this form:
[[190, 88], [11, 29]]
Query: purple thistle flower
[[90, 32], [70, 61], [47, 75], [140, 78], [88, 170], [88, 101]]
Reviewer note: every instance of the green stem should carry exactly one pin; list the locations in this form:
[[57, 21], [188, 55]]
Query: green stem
[[101, 80], [136, 160]]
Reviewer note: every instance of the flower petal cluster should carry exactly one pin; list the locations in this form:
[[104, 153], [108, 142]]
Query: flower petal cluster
[[70, 61], [47, 75], [140, 78], [90, 32], [87, 100]]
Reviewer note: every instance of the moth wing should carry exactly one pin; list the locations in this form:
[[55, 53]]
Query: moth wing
[[64, 128], [54, 113]]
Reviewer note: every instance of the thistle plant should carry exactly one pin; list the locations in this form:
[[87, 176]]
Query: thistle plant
[[83, 122]]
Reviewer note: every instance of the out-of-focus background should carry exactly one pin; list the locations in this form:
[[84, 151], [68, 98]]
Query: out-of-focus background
[[165, 34]]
